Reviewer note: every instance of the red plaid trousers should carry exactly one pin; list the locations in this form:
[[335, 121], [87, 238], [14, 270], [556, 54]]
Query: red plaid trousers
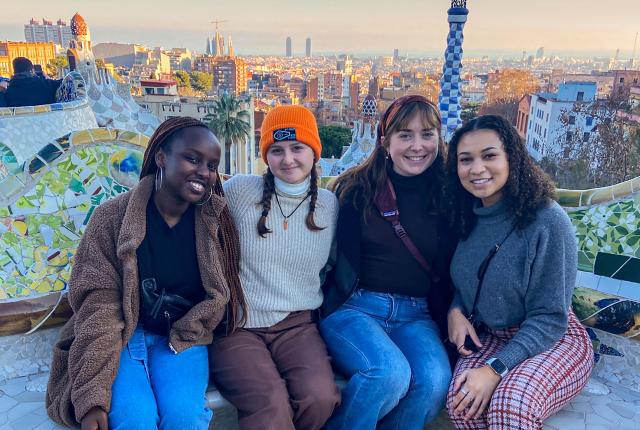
[[536, 388]]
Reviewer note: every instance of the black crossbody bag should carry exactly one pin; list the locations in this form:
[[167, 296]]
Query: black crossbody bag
[[158, 309], [482, 270]]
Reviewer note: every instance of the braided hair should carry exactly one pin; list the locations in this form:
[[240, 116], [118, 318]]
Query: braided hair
[[162, 139], [269, 188]]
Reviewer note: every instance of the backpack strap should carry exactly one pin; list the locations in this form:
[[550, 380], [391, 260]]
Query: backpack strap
[[386, 202]]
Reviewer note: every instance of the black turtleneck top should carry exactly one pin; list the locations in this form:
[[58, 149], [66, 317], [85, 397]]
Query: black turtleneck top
[[386, 264]]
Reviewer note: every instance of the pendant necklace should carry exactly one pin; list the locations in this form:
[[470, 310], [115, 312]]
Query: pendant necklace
[[285, 222]]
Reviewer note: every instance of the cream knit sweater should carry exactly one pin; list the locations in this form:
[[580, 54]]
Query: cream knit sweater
[[280, 273]]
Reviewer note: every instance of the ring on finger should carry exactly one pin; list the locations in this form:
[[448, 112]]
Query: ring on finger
[[460, 347], [463, 390]]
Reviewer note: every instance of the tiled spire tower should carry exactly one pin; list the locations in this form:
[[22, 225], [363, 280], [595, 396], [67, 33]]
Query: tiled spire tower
[[450, 82]]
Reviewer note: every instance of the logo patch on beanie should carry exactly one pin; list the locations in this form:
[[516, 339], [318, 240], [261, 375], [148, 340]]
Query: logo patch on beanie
[[283, 134]]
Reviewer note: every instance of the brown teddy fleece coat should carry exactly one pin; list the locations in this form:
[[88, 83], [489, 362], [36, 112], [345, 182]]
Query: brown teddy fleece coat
[[104, 295]]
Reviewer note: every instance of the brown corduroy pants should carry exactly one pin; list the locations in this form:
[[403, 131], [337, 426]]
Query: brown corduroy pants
[[279, 378]]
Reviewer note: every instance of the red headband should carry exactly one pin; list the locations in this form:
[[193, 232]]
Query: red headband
[[391, 112]]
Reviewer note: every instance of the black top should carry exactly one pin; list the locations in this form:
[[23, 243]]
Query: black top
[[386, 263], [171, 255], [28, 90], [344, 278]]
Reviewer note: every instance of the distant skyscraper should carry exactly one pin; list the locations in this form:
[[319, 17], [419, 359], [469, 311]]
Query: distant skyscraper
[[288, 47], [396, 56], [60, 33], [307, 50], [540, 52], [208, 50]]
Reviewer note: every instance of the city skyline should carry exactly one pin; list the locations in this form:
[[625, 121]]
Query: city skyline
[[499, 27]]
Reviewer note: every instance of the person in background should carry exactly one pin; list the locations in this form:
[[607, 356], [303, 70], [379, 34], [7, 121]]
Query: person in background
[[3, 89], [26, 88], [514, 272], [381, 302], [156, 269], [276, 370]]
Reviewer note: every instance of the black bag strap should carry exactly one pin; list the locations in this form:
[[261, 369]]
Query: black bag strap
[[482, 270], [387, 204]]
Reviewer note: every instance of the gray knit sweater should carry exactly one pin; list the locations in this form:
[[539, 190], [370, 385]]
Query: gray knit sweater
[[280, 273], [529, 282]]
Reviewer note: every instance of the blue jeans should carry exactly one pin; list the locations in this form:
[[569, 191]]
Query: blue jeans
[[390, 349], [157, 389]]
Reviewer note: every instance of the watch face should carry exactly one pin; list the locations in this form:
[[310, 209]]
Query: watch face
[[498, 366]]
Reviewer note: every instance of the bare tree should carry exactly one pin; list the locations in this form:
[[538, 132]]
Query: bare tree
[[608, 152], [505, 88]]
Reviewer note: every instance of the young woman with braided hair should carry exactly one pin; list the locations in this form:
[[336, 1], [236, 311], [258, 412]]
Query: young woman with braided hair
[[155, 272], [276, 369], [382, 304]]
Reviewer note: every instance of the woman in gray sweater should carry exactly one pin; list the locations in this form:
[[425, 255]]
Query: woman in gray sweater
[[526, 354]]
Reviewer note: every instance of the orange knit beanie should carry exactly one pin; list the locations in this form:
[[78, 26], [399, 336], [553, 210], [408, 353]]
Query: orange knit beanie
[[288, 123]]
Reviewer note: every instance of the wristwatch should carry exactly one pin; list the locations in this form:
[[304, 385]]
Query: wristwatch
[[498, 366]]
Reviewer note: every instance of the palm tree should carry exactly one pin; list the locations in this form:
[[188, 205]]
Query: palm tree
[[231, 124]]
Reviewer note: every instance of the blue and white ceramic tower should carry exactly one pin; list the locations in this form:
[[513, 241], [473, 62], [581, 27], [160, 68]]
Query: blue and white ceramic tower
[[450, 83]]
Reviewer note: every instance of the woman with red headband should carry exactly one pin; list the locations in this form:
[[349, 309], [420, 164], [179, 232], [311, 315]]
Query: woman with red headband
[[390, 284]]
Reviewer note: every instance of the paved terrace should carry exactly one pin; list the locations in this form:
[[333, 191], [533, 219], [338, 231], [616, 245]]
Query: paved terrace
[[604, 404]]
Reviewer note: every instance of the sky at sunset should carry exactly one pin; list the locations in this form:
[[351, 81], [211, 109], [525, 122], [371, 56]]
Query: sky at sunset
[[416, 27]]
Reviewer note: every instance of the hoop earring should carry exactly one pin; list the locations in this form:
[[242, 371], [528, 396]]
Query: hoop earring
[[207, 200], [159, 179]]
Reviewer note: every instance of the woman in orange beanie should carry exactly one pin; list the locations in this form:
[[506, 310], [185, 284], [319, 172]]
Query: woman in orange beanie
[[276, 370]]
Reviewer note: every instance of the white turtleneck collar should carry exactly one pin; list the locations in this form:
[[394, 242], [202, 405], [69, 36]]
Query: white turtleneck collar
[[292, 189]]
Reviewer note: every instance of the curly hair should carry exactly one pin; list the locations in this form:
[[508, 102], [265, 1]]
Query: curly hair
[[527, 188], [359, 184]]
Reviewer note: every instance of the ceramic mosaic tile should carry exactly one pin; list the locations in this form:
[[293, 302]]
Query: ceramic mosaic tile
[[363, 137], [607, 312], [41, 231], [24, 135], [612, 228], [113, 105]]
